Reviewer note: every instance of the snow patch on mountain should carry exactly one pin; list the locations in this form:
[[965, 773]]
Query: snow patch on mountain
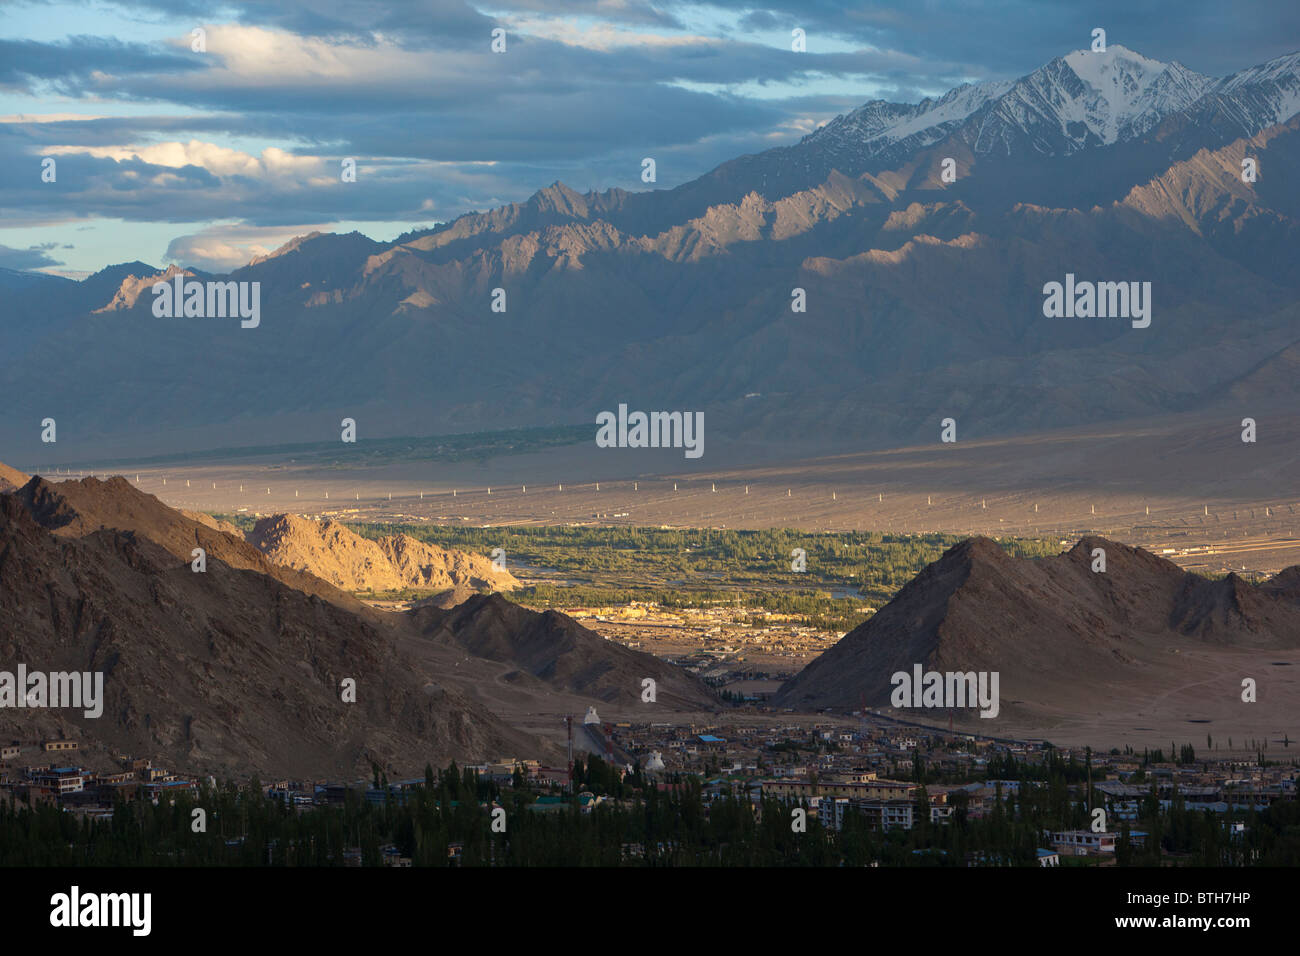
[[876, 125], [1263, 95], [1082, 99], [953, 107], [1130, 93]]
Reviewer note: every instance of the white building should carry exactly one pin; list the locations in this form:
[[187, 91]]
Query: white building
[[830, 811], [1083, 842]]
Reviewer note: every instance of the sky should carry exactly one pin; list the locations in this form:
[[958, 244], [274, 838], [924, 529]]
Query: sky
[[207, 150]]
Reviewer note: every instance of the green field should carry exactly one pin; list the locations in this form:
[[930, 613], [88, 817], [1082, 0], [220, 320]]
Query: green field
[[848, 574], [469, 446]]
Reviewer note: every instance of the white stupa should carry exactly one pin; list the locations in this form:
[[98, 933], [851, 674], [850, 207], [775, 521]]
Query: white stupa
[[656, 761], [591, 717]]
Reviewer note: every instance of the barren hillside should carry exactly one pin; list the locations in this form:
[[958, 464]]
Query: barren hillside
[[1068, 640], [240, 669], [336, 554]]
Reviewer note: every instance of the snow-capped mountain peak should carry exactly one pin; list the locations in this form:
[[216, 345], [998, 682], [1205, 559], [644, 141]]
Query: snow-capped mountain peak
[[1113, 68], [879, 125], [1261, 96], [1129, 93], [1078, 100]]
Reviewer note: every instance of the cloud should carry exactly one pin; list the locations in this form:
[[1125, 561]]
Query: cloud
[[29, 259], [605, 37], [82, 63], [255, 127], [444, 22], [630, 12], [1004, 39], [224, 249], [218, 160], [199, 181]]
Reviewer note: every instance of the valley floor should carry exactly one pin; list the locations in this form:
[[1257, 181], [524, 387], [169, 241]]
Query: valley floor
[[1184, 487]]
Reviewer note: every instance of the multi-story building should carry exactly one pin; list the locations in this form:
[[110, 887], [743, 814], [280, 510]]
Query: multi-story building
[[1083, 842], [174, 787], [856, 775], [867, 790], [830, 811], [940, 813], [885, 814], [61, 780]]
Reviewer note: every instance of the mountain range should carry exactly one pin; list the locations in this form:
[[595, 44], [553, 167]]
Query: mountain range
[[239, 669], [924, 297], [1069, 640]]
